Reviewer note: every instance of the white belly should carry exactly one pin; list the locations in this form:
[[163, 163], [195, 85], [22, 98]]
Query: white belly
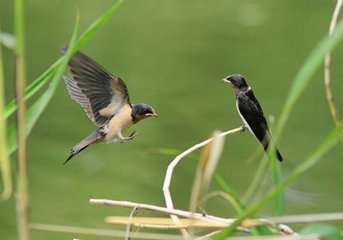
[[121, 121]]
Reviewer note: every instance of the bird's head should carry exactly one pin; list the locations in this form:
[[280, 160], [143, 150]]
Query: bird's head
[[142, 111], [237, 82]]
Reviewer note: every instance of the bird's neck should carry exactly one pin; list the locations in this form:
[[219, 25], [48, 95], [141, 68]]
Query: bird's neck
[[243, 90]]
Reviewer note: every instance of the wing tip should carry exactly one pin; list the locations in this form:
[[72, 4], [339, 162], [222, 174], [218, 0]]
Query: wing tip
[[69, 158], [278, 155]]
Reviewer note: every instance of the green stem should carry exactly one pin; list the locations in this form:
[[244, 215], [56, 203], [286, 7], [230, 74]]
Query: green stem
[[329, 142], [22, 194], [5, 167]]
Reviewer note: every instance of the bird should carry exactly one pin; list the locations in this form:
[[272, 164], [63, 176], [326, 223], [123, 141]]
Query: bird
[[250, 111], [105, 99]]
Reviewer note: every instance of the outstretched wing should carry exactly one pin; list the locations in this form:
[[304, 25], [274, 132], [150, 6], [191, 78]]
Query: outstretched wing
[[95, 89]]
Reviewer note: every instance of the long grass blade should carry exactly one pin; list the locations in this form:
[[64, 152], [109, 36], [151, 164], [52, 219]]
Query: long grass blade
[[208, 162], [22, 196], [301, 81], [34, 87], [44, 78], [5, 167], [40, 104], [303, 78], [326, 145]]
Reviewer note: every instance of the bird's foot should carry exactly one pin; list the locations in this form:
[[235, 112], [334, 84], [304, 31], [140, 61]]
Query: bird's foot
[[244, 128], [129, 138]]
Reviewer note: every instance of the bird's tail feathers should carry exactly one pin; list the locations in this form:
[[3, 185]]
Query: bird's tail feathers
[[278, 154], [94, 137]]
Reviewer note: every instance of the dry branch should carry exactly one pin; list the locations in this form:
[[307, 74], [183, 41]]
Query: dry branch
[[327, 63], [172, 165], [190, 219]]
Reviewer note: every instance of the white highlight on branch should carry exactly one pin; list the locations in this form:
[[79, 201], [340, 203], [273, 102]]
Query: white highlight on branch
[[170, 170], [177, 159]]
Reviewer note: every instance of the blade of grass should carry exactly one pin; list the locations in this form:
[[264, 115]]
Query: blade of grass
[[40, 104], [5, 167], [34, 87], [301, 81], [327, 144], [43, 79], [237, 204], [37, 108], [96, 25], [303, 78], [257, 179], [276, 176], [22, 198], [206, 166]]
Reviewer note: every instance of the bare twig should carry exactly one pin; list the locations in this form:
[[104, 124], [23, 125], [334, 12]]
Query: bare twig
[[327, 63], [193, 219], [181, 213], [208, 162], [101, 232], [162, 222], [209, 221], [129, 224], [176, 160], [308, 218]]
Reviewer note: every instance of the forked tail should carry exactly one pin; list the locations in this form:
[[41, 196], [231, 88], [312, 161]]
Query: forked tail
[[278, 154], [94, 137]]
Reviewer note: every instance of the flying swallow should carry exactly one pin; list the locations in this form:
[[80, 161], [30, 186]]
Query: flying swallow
[[250, 111], [106, 101]]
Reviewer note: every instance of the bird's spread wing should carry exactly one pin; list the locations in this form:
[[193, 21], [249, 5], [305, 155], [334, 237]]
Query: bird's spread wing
[[252, 113], [96, 90]]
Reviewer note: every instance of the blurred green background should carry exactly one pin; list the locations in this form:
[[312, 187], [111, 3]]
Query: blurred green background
[[172, 55]]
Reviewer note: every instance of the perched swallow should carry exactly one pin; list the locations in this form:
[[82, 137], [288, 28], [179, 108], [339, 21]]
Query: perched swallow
[[106, 101], [250, 111]]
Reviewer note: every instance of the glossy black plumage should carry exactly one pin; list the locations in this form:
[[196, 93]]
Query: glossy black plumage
[[250, 111]]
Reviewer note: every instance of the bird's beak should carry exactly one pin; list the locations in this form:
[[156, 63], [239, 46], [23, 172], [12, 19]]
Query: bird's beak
[[152, 114], [227, 81]]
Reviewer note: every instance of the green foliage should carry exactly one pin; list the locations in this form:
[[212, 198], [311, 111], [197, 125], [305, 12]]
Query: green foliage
[[299, 85], [55, 70], [4, 158], [325, 231], [52, 76]]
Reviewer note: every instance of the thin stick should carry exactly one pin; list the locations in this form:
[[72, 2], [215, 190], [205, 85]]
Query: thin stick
[[129, 224], [327, 63], [205, 220], [162, 222], [101, 232], [308, 218], [187, 214], [177, 159], [21, 196], [172, 165]]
